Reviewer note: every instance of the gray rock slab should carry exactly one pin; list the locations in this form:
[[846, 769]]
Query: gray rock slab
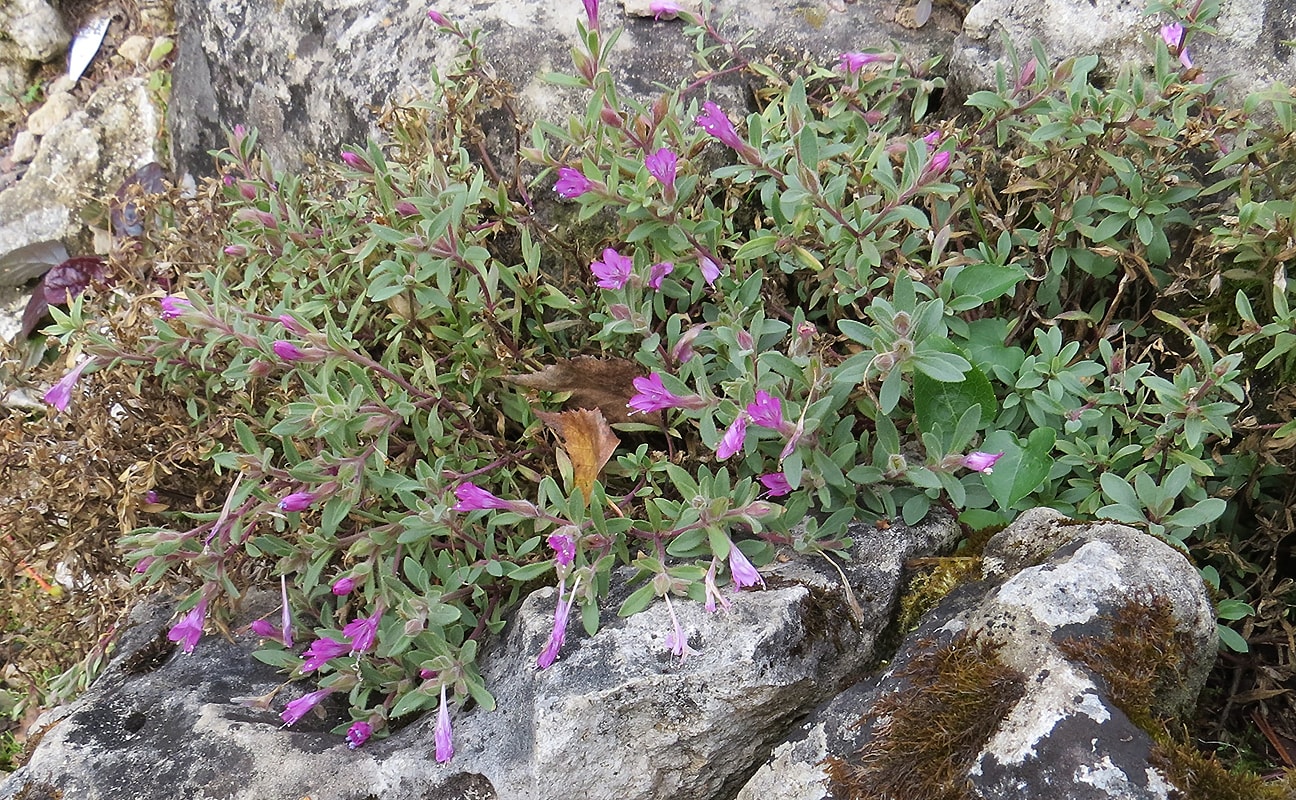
[[1064, 738], [616, 717], [35, 27]]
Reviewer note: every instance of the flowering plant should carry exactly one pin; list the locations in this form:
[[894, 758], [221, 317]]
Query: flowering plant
[[824, 327]]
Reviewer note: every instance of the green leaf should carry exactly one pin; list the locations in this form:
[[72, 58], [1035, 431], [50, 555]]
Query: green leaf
[[637, 601], [1232, 639], [946, 367], [939, 405], [1119, 490], [915, 508], [1021, 470], [988, 281], [530, 571], [1234, 609]]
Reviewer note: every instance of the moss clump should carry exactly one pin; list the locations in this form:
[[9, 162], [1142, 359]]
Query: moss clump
[[1201, 777], [925, 736], [935, 578]]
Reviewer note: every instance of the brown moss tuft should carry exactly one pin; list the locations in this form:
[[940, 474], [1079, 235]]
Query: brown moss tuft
[[925, 736], [1202, 777]]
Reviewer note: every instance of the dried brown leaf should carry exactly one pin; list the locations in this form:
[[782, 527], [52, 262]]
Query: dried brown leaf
[[605, 384], [588, 441]]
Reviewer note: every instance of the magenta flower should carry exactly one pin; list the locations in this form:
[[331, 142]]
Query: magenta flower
[[288, 351], [474, 498], [291, 325], [297, 501], [564, 548], [662, 165], [443, 736], [652, 395], [658, 272], [677, 639], [189, 629], [981, 462], [550, 653], [854, 62], [664, 8], [321, 650], [1173, 36], [60, 394], [343, 586], [932, 139], [710, 269], [173, 306], [613, 271], [572, 183], [265, 630], [356, 161], [236, 251], [714, 121], [766, 411], [732, 441], [362, 632], [298, 708], [358, 734], [713, 592], [776, 484], [938, 164], [591, 12], [682, 352], [438, 18], [742, 571]]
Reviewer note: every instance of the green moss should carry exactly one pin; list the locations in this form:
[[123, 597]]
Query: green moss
[[935, 578], [925, 736]]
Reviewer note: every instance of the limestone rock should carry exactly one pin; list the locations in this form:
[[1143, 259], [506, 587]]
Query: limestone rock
[[56, 109], [1064, 737], [35, 27], [313, 76], [1250, 49], [616, 718]]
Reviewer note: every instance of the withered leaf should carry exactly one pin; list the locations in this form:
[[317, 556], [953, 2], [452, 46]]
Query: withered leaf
[[606, 384], [588, 441]]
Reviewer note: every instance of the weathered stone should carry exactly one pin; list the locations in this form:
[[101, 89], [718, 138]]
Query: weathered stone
[[24, 147], [87, 155], [1064, 738], [135, 49], [1250, 50], [312, 76], [616, 718], [35, 27], [56, 108]]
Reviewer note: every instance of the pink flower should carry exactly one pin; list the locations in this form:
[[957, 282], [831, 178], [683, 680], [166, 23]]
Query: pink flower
[[60, 394], [591, 12], [652, 395], [288, 351], [658, 272], [474, 498], [1173, 36], [766, 411], [776, 484], [932, 139], [356, 161], [981, 462], [362, 632], [298, 708], [285, 612], [320, 651], [343, 586], [677, 639], [613, 271], [406, 209], [682, 352], [236, 251], [713, 592], [572, 183], [297, 501], [173, 306], [358, 734], [438, 18], [563, 610], [291, 325], [714, 121], [732, 441], [564, 548], [664, 8], [189, 629], [662, 165], [938, 164], [854, 62], [710, 269], [264, 629], [742, 571], [443, 736]]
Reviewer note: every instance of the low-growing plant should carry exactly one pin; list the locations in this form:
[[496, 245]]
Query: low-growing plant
[[825, 308]]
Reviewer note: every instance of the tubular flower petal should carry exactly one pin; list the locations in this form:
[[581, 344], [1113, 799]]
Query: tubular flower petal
[[362, 632], [677, 639], [343, 586], [297, 501], [189, 629], [742, 571], [591, 12], [321, 650], [358, 734], [613, 271], [288, 351], [658, 272], [60, 394], [981, 462], [713, 592], [474, 498], [854, 62], [664, 8], [731, 442], [563, 610], [776, 484], [264, 629], [438, 18], [714, 121], [298, 708], [662, 165], [285, 611], [651, 395], [173, 306], [572, 183], [444, 737], [766, 411], [564, 548], [710, 269]]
